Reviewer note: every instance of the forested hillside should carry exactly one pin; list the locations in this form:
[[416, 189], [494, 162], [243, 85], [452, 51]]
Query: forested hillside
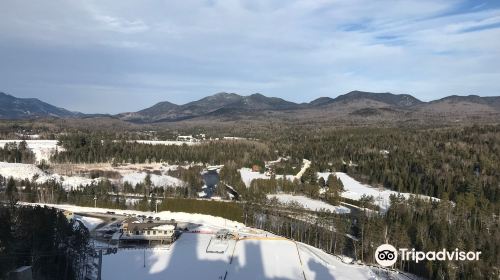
[[44, 239], [459, 165]]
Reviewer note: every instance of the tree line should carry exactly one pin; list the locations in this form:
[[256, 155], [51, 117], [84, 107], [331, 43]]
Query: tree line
[[17, 153]]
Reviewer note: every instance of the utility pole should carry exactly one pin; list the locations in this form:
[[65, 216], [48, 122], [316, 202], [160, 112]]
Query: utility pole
[[95, 201], [144, 259], [100, 266]]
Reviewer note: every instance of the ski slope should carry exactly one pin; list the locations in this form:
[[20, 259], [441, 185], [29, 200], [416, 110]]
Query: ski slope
[[309, 203]]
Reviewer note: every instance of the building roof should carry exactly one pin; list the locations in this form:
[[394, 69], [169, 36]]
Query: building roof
[[165, 227], [134, 226]]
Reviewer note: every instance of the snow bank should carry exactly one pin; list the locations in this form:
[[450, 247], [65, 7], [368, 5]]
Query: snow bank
[[309, 203]]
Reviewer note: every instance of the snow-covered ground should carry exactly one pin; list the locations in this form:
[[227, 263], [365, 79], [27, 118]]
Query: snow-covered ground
[[246, 259], [89, 222], [198, 219], [256, 254], [309, 203], [354, 190], [21, 171], [157, 180], [42, 149], [247, 175]]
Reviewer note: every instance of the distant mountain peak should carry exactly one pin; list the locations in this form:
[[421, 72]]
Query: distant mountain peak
[[12, 107], [321, 101], [398, 100]]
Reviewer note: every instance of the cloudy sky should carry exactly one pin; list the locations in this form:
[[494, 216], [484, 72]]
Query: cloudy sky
[[122, 55]]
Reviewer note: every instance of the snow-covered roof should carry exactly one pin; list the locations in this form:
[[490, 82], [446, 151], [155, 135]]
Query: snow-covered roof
[[164, 227]]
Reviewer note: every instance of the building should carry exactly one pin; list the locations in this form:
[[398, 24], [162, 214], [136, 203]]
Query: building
[[186, 138], [150, 232]]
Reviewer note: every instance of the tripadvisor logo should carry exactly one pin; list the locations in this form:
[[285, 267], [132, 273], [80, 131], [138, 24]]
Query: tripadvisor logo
[[387, 255]]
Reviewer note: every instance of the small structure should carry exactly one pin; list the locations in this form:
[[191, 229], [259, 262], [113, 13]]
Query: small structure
[[224, 234], [186, 138], [151, 232], [220, 242]]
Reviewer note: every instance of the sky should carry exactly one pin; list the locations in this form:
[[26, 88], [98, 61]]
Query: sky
[[103, 56]]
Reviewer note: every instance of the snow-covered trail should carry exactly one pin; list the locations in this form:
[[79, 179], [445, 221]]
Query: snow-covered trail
[[305, 165]]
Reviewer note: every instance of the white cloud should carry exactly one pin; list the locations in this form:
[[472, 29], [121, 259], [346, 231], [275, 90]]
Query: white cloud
[[298, 49]]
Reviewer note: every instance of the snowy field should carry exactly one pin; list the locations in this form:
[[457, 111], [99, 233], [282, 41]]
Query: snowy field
[[354, 190], [157, 180], [309, 203], [21, 171], [42, 149], [247, 175]]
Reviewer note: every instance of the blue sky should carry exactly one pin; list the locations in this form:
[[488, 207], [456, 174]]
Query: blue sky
[[101, 56]]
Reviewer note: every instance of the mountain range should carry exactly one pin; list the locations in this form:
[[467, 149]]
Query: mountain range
[[229, 106], [26, 108]]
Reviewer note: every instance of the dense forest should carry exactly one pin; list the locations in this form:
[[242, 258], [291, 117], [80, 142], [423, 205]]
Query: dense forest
[[44, 239], [450, 163], [83, 148], [459, 165], [444, 163]]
